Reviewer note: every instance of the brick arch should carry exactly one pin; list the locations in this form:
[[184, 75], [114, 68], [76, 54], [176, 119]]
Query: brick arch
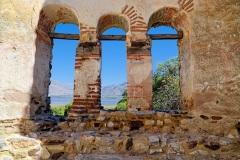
[[112, 20], [169, 16], [137, 23], [53, 14]]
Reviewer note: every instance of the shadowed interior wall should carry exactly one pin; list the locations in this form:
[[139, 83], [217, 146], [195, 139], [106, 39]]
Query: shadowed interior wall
[[215, 53]]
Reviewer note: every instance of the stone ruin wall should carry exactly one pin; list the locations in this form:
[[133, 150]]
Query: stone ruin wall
[[209, 59]]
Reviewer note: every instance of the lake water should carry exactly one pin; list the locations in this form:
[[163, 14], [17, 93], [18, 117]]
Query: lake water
[[110, 101], [65, 100], [60, 100]]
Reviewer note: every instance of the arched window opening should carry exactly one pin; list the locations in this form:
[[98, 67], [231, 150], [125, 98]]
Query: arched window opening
[[113, 73], [166, 90], [49, 17], [62, 70]]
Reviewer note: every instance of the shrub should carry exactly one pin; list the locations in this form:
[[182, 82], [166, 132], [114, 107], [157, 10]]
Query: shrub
[[122, 104]]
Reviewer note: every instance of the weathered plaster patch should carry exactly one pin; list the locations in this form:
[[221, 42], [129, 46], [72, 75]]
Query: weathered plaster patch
[[142, 70], [16, 96], [87, 74]]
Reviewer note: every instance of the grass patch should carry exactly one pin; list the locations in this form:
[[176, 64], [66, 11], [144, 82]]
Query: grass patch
[[121, 106], [109, 108], [60, 110]]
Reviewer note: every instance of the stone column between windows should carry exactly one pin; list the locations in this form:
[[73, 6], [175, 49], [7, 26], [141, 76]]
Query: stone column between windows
[[87, 83], [139, 76]]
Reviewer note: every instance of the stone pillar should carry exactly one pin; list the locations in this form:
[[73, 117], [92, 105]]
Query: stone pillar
[[139, 78], [87, 83]]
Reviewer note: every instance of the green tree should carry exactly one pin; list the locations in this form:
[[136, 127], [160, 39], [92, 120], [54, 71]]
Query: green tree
[[166, 91]]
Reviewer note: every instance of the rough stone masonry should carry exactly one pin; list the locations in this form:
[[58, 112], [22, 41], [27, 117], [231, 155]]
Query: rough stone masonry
[[209, 57]]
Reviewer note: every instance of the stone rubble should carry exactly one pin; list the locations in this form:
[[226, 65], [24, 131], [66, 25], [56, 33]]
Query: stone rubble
[[47, 137]]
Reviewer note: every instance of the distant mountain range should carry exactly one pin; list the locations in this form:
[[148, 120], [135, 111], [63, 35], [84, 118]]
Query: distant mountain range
[[114, 90], [58, 89]]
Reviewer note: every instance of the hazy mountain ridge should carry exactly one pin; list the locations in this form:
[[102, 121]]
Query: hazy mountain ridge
[[114, 90], [58, 89]]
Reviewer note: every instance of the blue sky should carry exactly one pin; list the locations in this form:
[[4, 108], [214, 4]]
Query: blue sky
[[113, 54]]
